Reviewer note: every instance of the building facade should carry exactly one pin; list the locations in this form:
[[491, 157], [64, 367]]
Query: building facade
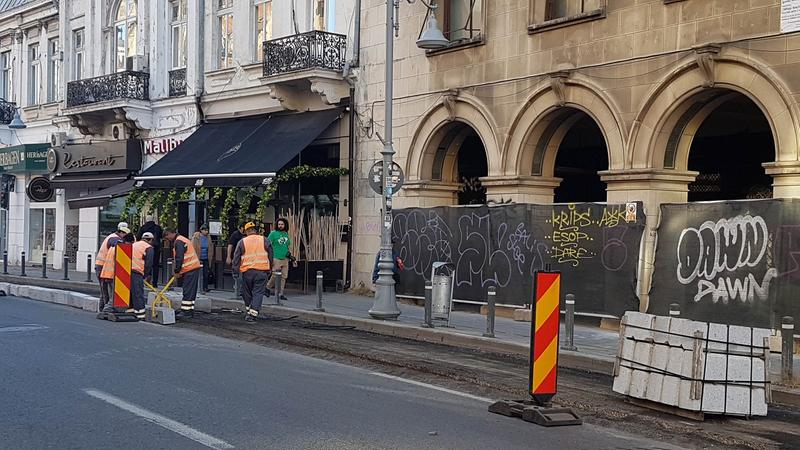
[[542, 101]]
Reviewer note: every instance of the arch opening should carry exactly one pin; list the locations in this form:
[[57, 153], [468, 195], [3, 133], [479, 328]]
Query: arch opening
[[459, 156], [581, 155]]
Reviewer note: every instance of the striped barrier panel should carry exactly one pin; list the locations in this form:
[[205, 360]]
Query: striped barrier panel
[[122, 275], [544, 337]]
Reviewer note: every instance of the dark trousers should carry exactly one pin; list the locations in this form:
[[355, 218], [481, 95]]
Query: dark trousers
[[254, 282], [206, 270], [138, 300], [156, 264], [103, 291], [189, 289]]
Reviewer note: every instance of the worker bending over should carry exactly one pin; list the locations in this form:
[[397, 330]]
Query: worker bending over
[[253, 259], [100, 262], [107, 273], [141, 269], [187, 266]]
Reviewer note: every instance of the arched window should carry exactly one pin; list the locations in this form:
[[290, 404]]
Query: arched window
[[124, 32]]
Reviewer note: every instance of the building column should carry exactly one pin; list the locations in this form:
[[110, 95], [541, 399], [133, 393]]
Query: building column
[[785, 178], [520, 189], [651, 187], [88, 231]]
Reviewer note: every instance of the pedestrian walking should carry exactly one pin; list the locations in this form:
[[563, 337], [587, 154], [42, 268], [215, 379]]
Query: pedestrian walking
[[280, 240], [107, 272], [253, 260], [187, 266], [233, 241], [204, 247], [150, 226], [141, 269], [101, 258]]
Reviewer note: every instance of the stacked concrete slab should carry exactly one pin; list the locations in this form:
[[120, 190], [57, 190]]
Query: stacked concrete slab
[[74, 299], [695, 366]]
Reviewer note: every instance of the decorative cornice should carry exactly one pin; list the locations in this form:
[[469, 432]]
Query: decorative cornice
[[558, 85]]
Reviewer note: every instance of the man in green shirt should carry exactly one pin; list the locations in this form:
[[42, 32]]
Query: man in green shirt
[[279, 238]]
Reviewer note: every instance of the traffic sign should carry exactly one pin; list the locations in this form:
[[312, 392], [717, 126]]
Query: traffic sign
[[396, 178], [544, 336]]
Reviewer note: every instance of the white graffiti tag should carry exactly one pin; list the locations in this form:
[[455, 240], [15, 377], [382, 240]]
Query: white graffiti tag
[[722, 256]]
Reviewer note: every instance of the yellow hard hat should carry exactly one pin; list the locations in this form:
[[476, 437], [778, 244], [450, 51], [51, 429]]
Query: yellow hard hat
[[249, 225]]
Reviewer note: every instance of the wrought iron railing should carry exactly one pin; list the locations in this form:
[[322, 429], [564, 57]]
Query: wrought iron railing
[[116, 86], [7, 110], [177, 82], [312, 50]]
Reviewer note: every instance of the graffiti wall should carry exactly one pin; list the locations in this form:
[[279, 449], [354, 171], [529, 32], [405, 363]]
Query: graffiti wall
[[734, 262], [595, 246]]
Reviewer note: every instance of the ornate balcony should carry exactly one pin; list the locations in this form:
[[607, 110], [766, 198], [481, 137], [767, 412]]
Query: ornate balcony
[[6, 112], [312, 50], [177, 82], [128, 85]]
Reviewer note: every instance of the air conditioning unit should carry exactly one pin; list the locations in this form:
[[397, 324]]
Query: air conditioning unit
[[136, 63], [58, 139], [119, 131]]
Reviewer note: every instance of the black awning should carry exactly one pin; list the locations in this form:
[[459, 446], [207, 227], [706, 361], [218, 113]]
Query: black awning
[[101, 198], [240, 152], [88, 181]]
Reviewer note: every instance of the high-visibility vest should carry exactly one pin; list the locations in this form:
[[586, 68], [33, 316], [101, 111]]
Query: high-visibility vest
[[190, 259], [102, 253], [255, 256], [137, 261], [108, 266]]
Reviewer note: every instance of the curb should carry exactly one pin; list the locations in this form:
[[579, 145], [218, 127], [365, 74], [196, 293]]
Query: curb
[[58, 296]]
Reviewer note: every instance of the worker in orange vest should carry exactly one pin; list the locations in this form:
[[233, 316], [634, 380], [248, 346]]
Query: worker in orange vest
[[101, 257], [253, 260], [187, 266], [107, 273], [141, 269]]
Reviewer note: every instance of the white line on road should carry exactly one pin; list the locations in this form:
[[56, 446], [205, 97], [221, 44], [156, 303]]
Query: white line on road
[[434, 387], [158, 419]]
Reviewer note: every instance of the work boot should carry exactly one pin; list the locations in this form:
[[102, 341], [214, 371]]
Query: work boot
[[250, 319], [108, 308], [283, 297], [184, 315]]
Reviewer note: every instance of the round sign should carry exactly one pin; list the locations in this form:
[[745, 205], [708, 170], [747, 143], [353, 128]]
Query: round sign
[[52, 160], [396, 178], [40, 190]]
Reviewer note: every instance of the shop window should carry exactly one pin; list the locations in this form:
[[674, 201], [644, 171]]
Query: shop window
[[461, 21], [263, 25], [225, 33], [42, 232], [546, 14], [125, 34]]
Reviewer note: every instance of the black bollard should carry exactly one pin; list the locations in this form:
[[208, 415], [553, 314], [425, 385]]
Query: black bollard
[[278, 290], [490, 300], [44, 265], [569, 322], [428, 306], [88, 268], [23, 266], [319, 307], [5, 262], [66, 268], [674, 310], [787, 349]]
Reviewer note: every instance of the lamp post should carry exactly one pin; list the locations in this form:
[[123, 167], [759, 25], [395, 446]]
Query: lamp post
[[385, 306]]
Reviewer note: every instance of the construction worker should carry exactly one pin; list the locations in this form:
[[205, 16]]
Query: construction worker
[[187, 266], [100, 260], [107, 273], [142, 258], [253, 260]]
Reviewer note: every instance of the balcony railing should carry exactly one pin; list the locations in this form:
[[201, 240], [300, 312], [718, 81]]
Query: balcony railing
[[312, 50], [7, 110], [177, 82], [128, 85]]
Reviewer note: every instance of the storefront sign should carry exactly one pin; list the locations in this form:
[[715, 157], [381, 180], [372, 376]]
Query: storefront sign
[[24, 158], [100, 157], [160, 146], [790, 16], [39, 190]]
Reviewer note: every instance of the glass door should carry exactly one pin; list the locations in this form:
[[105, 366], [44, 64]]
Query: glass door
[[42, 234]]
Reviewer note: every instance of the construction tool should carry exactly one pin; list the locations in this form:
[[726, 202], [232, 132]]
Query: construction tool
[[161, 310]]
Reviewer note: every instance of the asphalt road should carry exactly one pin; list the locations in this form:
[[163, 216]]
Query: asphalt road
[[70, 381]]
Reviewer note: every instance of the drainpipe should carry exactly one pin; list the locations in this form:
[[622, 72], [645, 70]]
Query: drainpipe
[[351, 153], [201, 64], [356, 43]]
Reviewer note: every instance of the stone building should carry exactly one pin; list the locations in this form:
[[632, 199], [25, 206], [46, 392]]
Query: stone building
[[541, 101]]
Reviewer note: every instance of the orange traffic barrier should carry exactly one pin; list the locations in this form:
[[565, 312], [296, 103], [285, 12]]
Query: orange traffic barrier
[[544, 337]]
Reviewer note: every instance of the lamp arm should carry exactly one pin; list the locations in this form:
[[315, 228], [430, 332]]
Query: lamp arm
[[432, 5]]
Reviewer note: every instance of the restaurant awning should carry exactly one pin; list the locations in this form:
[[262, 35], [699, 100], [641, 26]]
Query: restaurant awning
[[102, 197], [88, 181], [238, 152]]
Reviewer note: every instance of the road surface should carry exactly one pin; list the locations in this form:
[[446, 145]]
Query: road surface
[[68, 381]]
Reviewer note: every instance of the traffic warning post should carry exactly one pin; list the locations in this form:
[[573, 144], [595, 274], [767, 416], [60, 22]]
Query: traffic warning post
[[122, 286], [543, 374]]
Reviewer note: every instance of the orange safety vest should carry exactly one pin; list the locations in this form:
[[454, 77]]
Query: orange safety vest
[[102, 253], [137, 262], [255, 256], [190, 259], [108, 266]]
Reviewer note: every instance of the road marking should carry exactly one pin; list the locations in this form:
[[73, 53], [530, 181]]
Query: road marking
[[158, 419], [434, 387], [30, 327]]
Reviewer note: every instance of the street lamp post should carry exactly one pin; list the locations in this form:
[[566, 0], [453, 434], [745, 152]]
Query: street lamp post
[[385, 306]]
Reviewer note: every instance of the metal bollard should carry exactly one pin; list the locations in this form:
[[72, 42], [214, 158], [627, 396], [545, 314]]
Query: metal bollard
[[202, 277], [319, 307], [278, 290], [44, 265], [5, 262], [88, 268], [569, 322], [490, 298], [23, 266], [674, 310], [66, 268], [428, 304], [170, 272], [787, 349]]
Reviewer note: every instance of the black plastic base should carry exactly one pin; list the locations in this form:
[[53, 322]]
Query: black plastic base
[[117, 316], [528, 411]]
